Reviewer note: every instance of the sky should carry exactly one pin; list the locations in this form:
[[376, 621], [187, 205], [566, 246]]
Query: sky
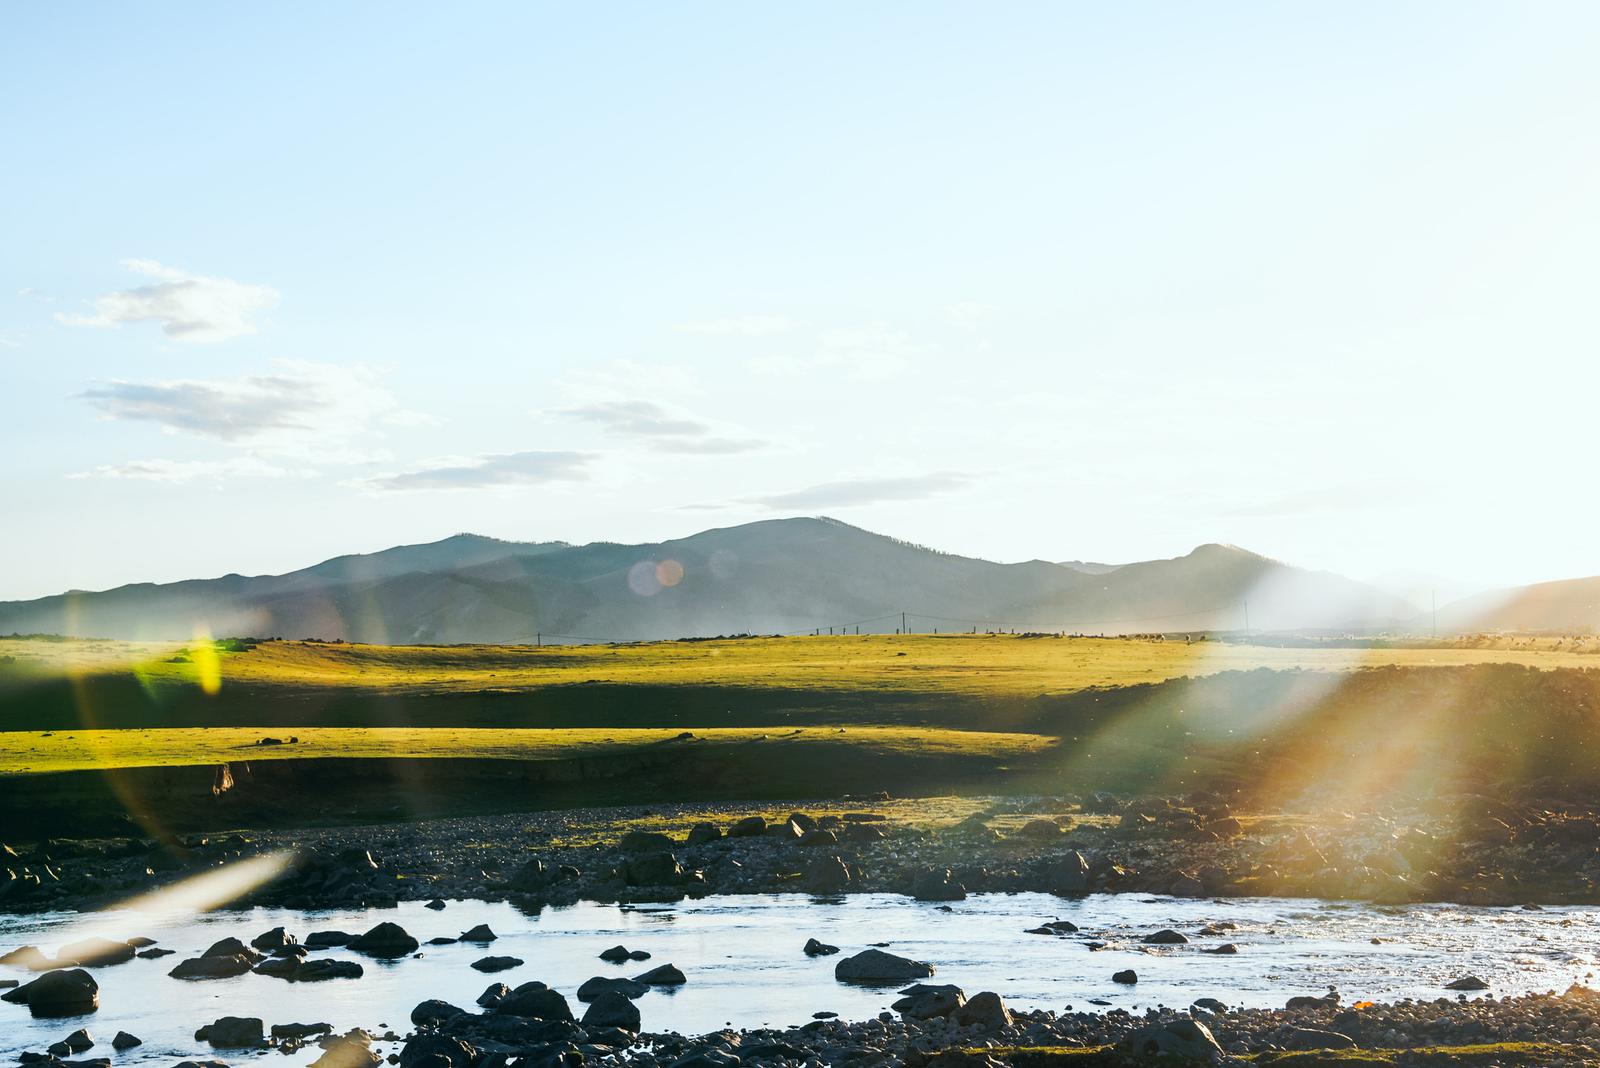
[[1062, 281]]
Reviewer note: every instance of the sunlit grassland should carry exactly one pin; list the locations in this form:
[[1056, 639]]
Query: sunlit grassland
[[981, 665], [24, 752]]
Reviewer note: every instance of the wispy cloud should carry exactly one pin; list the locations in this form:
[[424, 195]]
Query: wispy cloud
[[185, 470], [667, 430], [314, 410], [503, 469], [740, 326], [859, 491], [866, 353], [189, 307]]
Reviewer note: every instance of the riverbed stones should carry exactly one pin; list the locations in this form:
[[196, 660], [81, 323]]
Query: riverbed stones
[[497, 964], [599, 984], [611, 1008], [876, 966], [386, 940], [234, 1032], [662, 975], [69, 992]]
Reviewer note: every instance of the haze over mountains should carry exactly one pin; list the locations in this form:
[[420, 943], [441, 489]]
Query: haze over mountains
[[778, 576]]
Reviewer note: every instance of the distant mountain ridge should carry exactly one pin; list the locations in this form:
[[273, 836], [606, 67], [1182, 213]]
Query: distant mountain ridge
[[775, 576]]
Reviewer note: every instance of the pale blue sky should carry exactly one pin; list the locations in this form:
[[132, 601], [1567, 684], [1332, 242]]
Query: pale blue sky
[[1014, 280]]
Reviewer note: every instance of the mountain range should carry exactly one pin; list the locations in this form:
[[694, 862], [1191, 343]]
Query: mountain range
[[779, 576]]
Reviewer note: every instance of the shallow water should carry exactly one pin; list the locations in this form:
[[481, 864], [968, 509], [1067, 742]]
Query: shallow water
[[742, 955]]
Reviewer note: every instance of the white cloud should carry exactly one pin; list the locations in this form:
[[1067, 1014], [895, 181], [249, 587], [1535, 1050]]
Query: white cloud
[[189, 307], [311, 410], [861, 491], [870, 352], [740, 326], [503, 469], [185, 470], [666, 429]]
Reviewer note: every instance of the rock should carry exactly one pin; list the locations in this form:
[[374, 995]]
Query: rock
[[701, 833], [653, 869], [95, 952], [437, 905], [1304, 1038], [123, 1040], [480, 933], [1068, 875], [787, 831], [863, 832], [328, 939], [612, 1009], [298, 1031], [628, 988], [803, 821], [615, 955], [1041, 830], [1165, 938], [706, 1058], [986, 1010], [79, 1041], [1227, 949], [937, 884], [234, 1032], [663, 975], [492, 995], [386, 940], [1211, 1005], [346, 1052], [1306, 1001], [535, 1001], [813, 948], [1470, 982], [646, 842], [212, 967], [434, 1011], [232, 947], [819, 837], [315, 971], [278, 968], [1127, 977], [30, 957], [497, 964], [876, 966], [1178, 1038], [69, 992], [272, 940], [924, 1002], [154, 954], [437, 1051], [827, 875], [749, 827]]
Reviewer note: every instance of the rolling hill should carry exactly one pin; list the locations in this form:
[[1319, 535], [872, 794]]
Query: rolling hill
[[777, 576]]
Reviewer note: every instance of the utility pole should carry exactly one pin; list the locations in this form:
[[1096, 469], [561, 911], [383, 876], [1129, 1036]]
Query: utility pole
[[538, 639], [903, 624]]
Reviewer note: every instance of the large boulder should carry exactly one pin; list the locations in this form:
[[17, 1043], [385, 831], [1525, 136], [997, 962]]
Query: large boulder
[[701, 833], [69, 992], [1041, 830], [437, 1051], [876, 966], [923, 1001], [612, 1009], [95, 952], [827, 875], [937, 884], [662, 975], [234, 1032], [434, 1011], [212, 967], [535, 1001], [347, 1051], [646, 842], [315, 971], [273, 940], [600, 984], [479, 934], [660, 868], [1177, 1038], [749, 827], [232, 947], [986, 1010], [1068, 874], [497, 964], [387, 940]]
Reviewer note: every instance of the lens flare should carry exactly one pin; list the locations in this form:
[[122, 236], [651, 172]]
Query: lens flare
[[669, 572]]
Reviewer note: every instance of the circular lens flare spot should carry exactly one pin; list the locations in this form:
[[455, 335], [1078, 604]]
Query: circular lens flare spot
[[669, 572], [642, 579]]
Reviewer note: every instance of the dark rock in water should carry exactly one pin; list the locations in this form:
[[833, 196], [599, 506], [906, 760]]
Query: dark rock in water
[[315, 971], [278, 968], [442, 940], [300, 1031], [95, 952], [200, 1064], [612, 1009], [492, 995], [126, 1041], [535, 1001], [234, 1032], [646, 842], [814, 948], [1127, 977], [436, 905], [497, 964], [212, 967], [480, 933], [1227, 949], [1470, 982], [1179, 1038], [1165, 938], [937, 884], [530, 877], [615, 955], [663, 975], [749, 827], [437, 1051], [1211, 1005], [274, 940], [327, 939], [706, 1058], [701, 833], [987, 1010], [628, 988], [653, 869], [59, 993], [924, 1002], [30, 957], [385, 940], [876, 966], [1306, 1038], [154, 953], [232, 947], [347, 1051], [78, 1041], [434, 1011], [827, 875], [1069, 874]]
